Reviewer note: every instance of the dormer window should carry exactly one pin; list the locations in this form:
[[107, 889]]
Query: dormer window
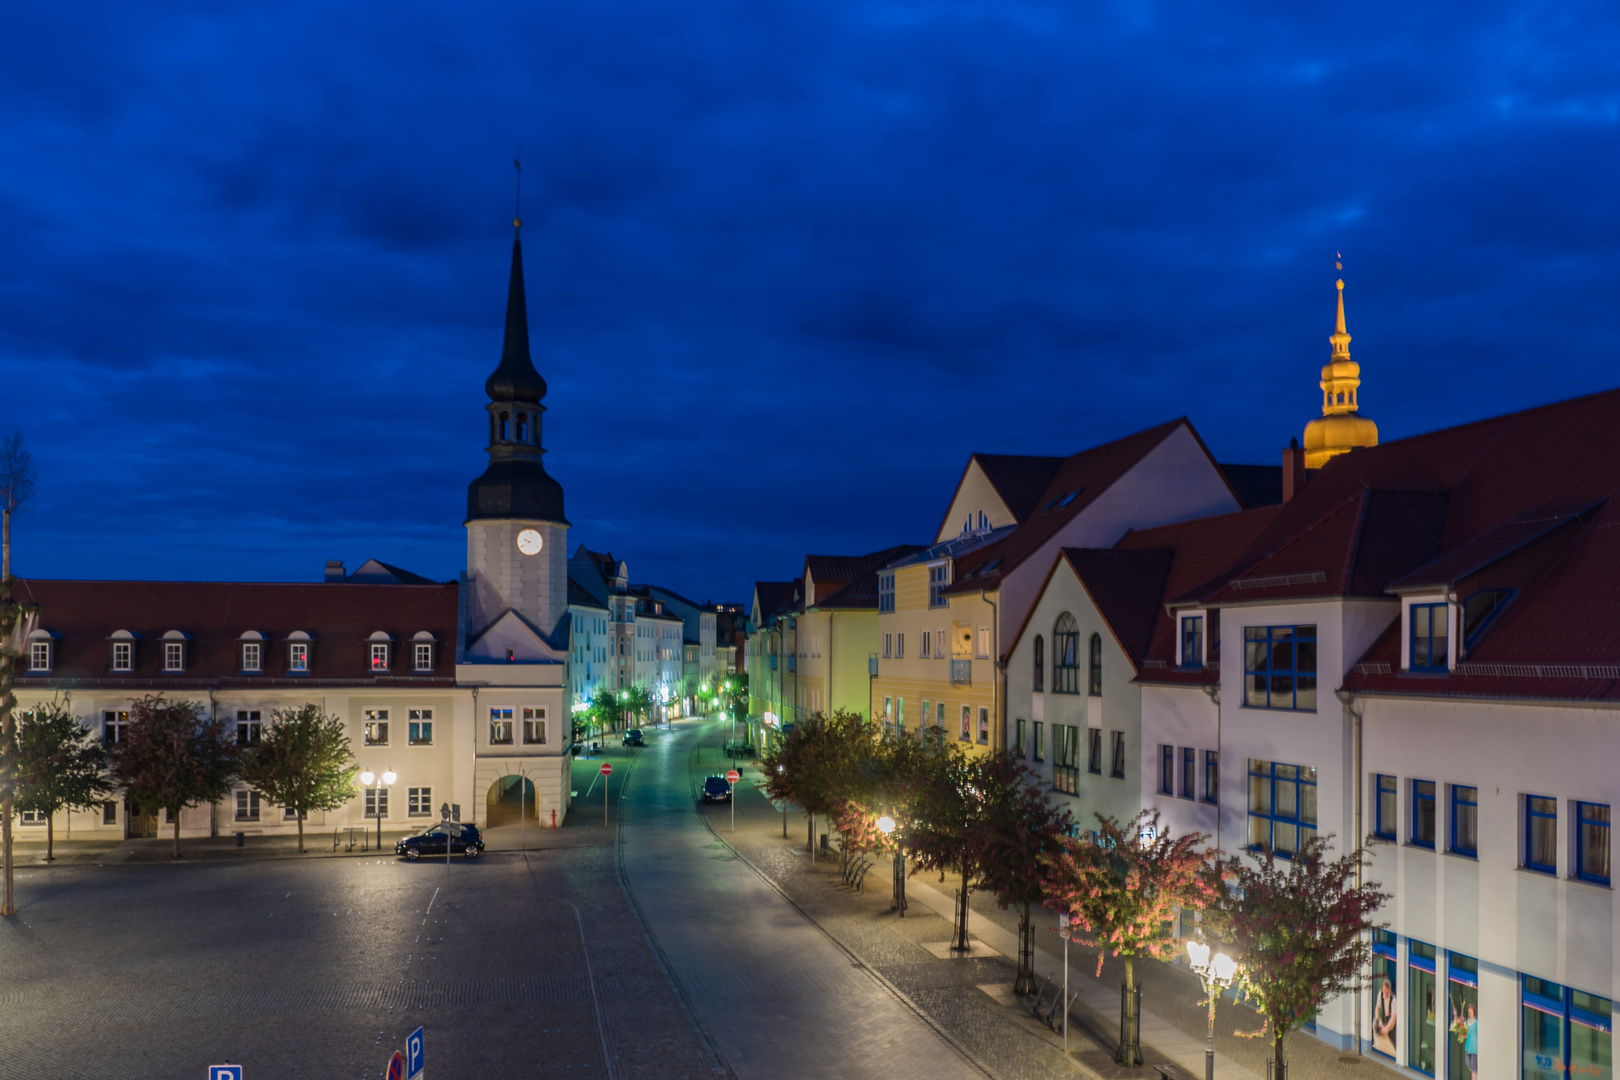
[[122, 654], [422, 653], [1430, 623], [377, 651], [41, 651], [298, 648], [250, 653], [1192, 641], [174, 656]]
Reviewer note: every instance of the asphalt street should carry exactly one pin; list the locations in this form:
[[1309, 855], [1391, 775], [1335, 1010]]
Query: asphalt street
[[774, 995]]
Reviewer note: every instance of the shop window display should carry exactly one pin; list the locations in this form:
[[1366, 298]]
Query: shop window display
[[1420, 974]]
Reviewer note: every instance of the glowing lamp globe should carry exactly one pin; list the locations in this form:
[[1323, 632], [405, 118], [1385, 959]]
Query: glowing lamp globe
[[389, 777], [1225, 967], [885, 824], [1198, 953], [368, 778]]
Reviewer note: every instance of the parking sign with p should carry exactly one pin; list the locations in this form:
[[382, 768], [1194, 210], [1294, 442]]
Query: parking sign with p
[[224, 1072]]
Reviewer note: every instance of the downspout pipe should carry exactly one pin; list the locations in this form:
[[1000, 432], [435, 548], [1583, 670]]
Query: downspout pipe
[[997, 668], [1354, 711]]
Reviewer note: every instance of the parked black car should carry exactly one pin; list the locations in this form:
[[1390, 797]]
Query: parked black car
[[633, 737], [464, 839], [715, 789]]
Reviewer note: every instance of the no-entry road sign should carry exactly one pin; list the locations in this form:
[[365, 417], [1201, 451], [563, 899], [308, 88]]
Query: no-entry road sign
[[733, 776], [396, 1067], [607, 769]]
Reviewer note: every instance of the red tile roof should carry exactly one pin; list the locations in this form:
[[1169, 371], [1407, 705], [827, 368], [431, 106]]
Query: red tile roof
[[338, 617], [1019, 479]]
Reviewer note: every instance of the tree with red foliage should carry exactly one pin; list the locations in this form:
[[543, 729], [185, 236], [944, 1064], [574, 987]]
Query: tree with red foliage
[[1299, 928], [174, 756], [1021, 828], [1124, 888]]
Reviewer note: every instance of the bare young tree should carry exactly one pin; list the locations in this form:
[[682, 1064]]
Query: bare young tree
[[16, 485]]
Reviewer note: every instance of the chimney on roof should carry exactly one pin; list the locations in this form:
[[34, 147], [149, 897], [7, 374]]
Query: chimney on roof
[[334, 570], [1293, 471]]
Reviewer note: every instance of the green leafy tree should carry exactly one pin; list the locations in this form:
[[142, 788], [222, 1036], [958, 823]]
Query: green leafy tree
[[637, 702], [949, 795], [605, 710], [16, 488], [173, 756], [817, 765], [1299, 929], [302, 761], [60, 766], [1021, 828], [1124, 887]]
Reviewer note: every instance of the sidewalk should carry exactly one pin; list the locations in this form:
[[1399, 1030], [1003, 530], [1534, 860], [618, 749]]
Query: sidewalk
[[1173, 1013]]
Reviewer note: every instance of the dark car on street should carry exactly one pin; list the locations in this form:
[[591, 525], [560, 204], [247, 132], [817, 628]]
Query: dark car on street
[[464, 838], [715, 789], [633, 737]]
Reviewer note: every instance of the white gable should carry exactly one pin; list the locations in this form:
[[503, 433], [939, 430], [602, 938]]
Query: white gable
[[510, 632]]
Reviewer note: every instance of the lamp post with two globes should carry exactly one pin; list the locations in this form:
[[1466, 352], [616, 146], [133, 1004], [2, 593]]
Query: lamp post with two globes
[[885, 826], [1216, 973], [385, 780]]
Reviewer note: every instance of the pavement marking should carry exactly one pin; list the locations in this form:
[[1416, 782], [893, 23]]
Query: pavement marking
[[430, 902]]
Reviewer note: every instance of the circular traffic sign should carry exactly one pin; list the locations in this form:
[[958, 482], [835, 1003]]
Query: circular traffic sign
[[607, 769], [733, 776], [396, 1066]]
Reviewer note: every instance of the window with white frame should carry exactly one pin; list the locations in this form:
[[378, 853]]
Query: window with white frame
[[33, 817], [967, 724], [376, 727], [114, 726], [534, 726], [885, 592], [927, 649], [982, 650], [379, 656], [39, 656], [248, 727], [376, 802], [424, 656], [420, 726], [938, 579], [298, 657], [288, 813], [900, 646], [1192, 641], [940, 648], [500, 727], [419, 801], [123, 655], [174, 656], [247, 806], [252, 656]]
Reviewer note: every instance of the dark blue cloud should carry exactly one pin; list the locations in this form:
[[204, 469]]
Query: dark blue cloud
[[788, 264]]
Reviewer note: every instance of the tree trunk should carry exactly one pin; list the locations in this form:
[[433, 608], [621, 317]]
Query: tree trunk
[[1025, 983], [1130, 1040], [8, 742], [962, 912], [176, 814], [811, 843], [1279, 1067], [50, 836], [301, 832]]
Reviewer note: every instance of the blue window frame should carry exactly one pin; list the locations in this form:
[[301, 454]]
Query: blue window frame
[[1384, 809], [1282, 806], [1212, 776], [1541, 834], [1479, 609], [1279, 667], [1429, 624], [1564, 1032], [1192, 641], [1385, 978], [1423, 813], [1167, 769], [1421, 1012], [1465, 820], [1189, 773], [1592, 842]]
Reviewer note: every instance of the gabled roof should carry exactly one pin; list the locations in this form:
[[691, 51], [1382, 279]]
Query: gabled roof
[[862, 590], [1019, 479], [377, 572], [772, 598], [579, 596], [1126, 586], [339, 618], [1078, 482], [840, 571]]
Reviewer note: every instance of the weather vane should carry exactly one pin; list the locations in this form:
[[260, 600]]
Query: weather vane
[[1338, 260]]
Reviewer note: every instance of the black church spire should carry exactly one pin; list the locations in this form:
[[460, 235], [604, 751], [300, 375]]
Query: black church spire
[[515, 379]]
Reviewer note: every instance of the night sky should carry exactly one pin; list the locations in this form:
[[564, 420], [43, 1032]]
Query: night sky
[[788, 263]]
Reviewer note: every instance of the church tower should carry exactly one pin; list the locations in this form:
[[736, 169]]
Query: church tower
[[517, 536], [1341, 427]]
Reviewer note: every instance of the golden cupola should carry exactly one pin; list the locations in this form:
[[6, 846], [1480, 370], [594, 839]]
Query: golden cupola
[[1341, 427]]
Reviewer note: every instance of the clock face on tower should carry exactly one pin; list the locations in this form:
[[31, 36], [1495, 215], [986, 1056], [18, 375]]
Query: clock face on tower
[[529, 542]]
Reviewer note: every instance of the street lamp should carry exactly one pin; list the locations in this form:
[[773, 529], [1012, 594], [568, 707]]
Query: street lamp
[[385, 780], [885, 826], [1216, 974]]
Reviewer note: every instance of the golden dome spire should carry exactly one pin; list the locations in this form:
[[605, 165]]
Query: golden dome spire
[[1341, 427]]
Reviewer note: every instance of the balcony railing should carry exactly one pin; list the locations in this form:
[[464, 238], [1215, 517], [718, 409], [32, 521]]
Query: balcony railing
[[961, 672]]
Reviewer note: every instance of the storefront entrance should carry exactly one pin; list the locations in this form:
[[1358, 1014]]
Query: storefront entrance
[[139, 824]]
